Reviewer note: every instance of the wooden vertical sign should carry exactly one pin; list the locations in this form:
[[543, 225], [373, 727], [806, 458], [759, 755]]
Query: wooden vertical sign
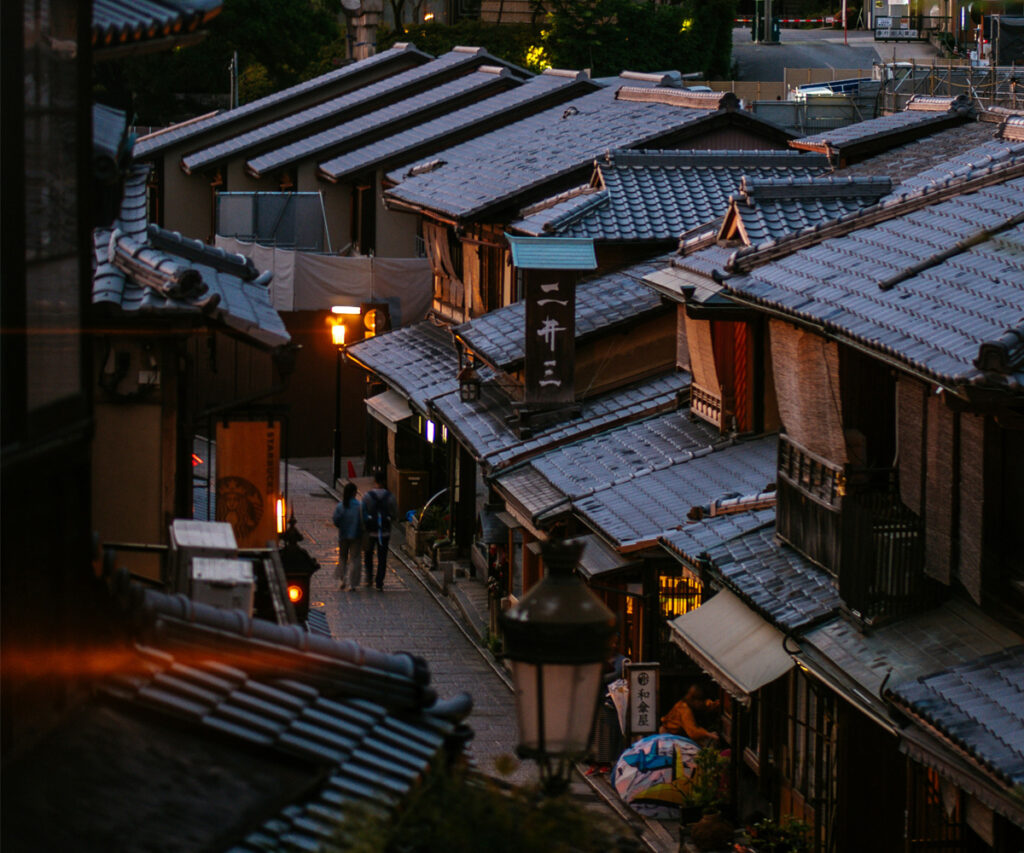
[[550, 336], [550, 267], [248, 463]]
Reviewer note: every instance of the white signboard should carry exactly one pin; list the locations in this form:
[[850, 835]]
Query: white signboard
[[642, 717]]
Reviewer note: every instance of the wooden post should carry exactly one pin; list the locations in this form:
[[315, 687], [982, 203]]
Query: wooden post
[[531, 563]]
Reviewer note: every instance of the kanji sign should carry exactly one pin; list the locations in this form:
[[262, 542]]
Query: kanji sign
[[642, 714], [550, 336]]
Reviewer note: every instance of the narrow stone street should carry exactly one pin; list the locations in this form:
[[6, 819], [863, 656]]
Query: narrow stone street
[[408, 616], [405, 617]]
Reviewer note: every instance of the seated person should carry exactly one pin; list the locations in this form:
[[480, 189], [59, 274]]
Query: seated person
[[683, 717]]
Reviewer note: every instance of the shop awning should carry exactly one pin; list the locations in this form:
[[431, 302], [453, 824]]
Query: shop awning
[[389, 408], [738, 648]]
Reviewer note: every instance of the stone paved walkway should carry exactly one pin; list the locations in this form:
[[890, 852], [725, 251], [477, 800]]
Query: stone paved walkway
[[405, 617]]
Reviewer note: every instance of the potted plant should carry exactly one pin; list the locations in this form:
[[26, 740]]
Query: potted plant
[[702, 802], [790, 836], [426, 526]]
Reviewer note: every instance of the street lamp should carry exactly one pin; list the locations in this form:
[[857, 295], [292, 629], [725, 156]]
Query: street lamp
[[469, 383], [557, 639], [338, 339]]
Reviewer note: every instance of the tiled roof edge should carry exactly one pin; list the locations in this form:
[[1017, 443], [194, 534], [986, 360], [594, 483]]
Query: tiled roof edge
[[815, 187], [710, 101], [212, 256], [746, 259]]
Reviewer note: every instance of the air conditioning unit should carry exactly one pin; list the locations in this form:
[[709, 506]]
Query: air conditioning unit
[[191, 539], [224, 583]]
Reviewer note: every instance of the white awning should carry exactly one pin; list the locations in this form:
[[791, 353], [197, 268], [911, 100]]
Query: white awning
[[389, 408], [738, 648]]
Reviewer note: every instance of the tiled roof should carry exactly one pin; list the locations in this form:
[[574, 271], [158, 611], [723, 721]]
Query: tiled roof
[[770, 209], [446, 96], [902, 651], [636, 512], [940, 287], [557, 145], [370, 718], [153, 272], [979, 705], [116, 22], [657, 195], [639, 480], [335, 113], [473, 120], [783, 585], [963, 164], [483, 425], [399, 56], [884, 132], [418, 360], [602, 302], [914, 158], [696, 538]]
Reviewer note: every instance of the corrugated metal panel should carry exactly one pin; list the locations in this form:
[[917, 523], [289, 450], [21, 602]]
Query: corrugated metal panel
[[552, 253]]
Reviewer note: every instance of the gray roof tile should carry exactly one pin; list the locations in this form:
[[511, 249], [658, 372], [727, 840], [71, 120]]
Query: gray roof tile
[[483, 426], [783, 585], [879, 134], [399, 56], [417, 87], [418, 360], [658, 195], [979, 705], [601, 302], [351, 133], [368, 716], [937, 320], [148, 270], [638, 511], [900, 652], [635, 482], [905, 162], [553, 146], [434, 134], [772, 208], [117, 22]]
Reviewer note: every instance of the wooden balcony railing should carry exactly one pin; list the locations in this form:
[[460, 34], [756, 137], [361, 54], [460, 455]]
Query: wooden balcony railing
[[852, 523], [707, 405]]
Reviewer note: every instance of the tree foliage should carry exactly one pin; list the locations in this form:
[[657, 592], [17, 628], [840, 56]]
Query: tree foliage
[[285, 37], [462, 813], [606, 36]]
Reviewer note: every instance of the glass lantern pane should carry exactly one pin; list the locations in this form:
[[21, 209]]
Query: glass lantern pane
[[570, 701], [524, 676]]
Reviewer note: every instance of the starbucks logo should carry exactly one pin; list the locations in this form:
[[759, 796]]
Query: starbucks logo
[[240, 504]]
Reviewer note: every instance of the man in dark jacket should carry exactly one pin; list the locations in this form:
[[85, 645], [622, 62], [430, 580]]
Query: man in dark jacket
[[379, 507]]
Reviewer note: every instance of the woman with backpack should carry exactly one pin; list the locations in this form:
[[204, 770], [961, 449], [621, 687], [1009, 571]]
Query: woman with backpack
[[348, 518]]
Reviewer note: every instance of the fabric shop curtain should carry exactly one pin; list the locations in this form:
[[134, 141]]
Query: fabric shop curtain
[[806, 369]]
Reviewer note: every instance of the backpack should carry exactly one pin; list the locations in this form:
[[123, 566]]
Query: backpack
[[377, 512]]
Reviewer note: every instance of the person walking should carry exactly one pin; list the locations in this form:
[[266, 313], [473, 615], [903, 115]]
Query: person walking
[[348, 518], [379, 507]]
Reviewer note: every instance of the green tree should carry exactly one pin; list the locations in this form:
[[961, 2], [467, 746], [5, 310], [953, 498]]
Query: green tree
[[284, 36], [459, 812]]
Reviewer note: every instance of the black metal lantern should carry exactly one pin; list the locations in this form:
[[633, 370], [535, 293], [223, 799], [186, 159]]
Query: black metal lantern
[[469, 384], [557, 640]]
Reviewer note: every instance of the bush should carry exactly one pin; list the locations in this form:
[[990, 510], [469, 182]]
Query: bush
[[511, 42], [460, 813]]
